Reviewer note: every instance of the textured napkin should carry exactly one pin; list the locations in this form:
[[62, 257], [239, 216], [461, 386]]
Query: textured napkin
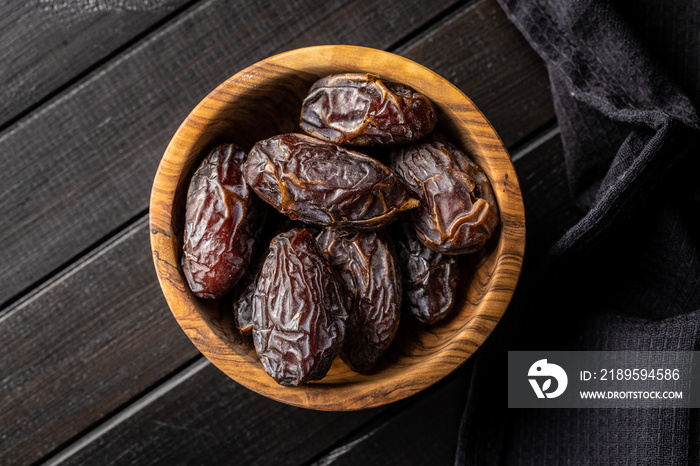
[[625, 79]]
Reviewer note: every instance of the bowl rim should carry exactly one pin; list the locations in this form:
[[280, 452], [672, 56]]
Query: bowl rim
[[480, 137]]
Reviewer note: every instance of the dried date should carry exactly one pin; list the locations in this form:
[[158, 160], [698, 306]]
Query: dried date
[[245, 289], [458, 211], [429, 279], [298, 316], [223, 218], [324, 184], [368, 273], [362, 109], [243, 293]]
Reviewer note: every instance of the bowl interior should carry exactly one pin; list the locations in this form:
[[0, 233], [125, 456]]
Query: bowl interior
[[264, 100]]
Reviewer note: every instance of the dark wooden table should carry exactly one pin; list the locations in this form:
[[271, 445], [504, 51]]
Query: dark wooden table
[[94, 369]]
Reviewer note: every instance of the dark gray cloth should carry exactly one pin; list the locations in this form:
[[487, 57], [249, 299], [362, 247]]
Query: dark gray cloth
[[626, 85]]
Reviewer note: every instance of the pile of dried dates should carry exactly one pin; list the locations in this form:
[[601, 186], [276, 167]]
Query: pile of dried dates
[[368, 239]]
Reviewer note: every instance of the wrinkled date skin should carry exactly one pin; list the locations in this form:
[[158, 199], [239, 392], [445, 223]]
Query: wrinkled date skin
[[429, 279], [324, 184], [223, 218], [368, 272], [243, 294], [458, 211], [361, 109], [244, 290], [298, 316]]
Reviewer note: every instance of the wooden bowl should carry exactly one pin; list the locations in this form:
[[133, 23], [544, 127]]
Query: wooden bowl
[[265, 99]]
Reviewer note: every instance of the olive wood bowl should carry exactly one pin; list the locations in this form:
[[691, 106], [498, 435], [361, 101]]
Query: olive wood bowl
[[265, 99]]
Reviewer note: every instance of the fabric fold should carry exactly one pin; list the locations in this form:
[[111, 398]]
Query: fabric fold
[[626, 276]]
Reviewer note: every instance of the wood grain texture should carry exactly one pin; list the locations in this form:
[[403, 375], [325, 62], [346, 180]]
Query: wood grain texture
[[83, 165], [47, 44], [181, 426], [63, 189], [480, 51], [76, 350], [140, 431], [46, 406], [421, 432], [95, 157], [115, 171], [549, 206], [265, 99], [288, 436]]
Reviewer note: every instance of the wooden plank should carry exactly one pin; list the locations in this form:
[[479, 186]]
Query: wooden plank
[[483, 54], [287, 435], [423, 432], [92, 167], [55, 372], [140, 431], [549, 207], [209, 418], [71, 374], [47, 44], [97, 337]]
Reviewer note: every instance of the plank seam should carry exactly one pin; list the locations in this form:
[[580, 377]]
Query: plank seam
[[72, 82], [175, 377], [351, 440], [380, 421], [344, 449], [438, 21], [10, 305], [101, 67], [162, 387], [535, 139]]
